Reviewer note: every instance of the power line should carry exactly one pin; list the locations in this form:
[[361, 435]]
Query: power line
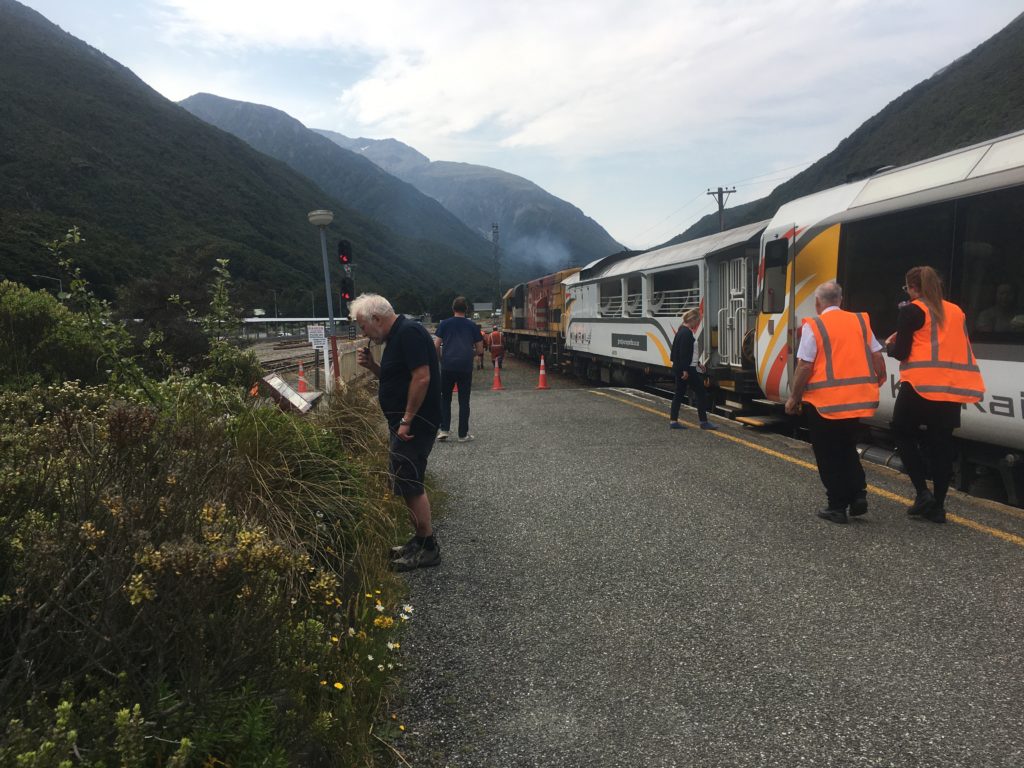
[[695, 198], [699, 195], [777, 170]]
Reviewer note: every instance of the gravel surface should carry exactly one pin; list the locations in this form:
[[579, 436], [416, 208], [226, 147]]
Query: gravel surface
[[614, 593]]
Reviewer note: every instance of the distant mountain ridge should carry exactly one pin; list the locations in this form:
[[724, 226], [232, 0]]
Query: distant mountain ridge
[[978, 96], [537, 230], [347, 176], [158, 192]]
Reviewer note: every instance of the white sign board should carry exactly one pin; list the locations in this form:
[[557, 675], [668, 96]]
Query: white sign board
[[316, 335]]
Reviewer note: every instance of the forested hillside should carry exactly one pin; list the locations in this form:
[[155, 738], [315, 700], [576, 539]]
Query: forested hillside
[[158, 192], [539, 232], [347, 176]]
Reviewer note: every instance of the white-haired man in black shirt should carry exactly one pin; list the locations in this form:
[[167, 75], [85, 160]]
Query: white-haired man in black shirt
[[410, 397]]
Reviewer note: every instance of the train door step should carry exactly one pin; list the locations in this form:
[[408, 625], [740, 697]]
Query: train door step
[[729, 409], [761, 422]]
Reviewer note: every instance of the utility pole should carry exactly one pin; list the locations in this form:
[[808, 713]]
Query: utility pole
[[497, 259], [721, 196]]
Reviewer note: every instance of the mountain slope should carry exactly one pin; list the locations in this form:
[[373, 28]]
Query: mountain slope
[[349, 177], [979, 96], [538, 231], [156, 190]]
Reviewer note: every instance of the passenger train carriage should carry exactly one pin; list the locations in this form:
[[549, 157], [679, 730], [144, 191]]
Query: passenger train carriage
[[962, 213]]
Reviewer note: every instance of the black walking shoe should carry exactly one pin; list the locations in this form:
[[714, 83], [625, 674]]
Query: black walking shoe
[[835, 515], [922, 504], [936, 514], [403, 549], [419, 557], [858, 507]]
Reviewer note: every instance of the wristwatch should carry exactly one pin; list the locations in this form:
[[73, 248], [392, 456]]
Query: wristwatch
[[403, 420]]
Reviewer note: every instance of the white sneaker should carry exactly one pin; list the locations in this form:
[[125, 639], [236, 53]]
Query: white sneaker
[[465, 439], [442, 436]]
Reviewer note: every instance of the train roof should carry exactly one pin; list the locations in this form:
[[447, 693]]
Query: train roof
[[986, 159], [671, 255]]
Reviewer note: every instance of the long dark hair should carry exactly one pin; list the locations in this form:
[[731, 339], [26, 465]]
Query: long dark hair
[[926, 281]]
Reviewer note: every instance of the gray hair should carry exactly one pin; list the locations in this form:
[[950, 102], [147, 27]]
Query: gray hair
[[367, 304], [830, 294]]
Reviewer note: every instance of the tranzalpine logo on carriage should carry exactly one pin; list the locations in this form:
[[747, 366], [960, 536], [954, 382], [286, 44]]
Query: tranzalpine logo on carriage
[[629, 341]]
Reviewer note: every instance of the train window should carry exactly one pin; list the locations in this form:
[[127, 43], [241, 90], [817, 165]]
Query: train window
[[611, 298], [875, 254], [991, 258], [773, 293], [674, 291]]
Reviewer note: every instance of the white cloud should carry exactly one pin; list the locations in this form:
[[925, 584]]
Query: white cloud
[[718, 90], [588, 77]]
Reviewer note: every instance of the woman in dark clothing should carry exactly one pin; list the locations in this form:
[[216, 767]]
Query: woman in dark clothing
[[685, 373], [938, 373]]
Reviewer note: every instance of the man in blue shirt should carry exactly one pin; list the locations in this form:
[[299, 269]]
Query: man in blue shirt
[[458, 341], [410, 397]]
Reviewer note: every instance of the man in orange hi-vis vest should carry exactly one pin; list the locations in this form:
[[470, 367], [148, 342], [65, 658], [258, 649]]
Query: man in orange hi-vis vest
[[497, 346], [838, 374]]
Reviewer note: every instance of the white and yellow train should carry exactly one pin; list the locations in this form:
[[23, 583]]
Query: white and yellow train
[[962, 213]]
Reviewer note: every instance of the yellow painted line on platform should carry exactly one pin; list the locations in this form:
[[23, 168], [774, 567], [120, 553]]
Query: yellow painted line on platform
[[717, 433], [1012, 538]]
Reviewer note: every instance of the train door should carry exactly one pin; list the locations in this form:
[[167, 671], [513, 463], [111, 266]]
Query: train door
[[732, 312], [772, 336]]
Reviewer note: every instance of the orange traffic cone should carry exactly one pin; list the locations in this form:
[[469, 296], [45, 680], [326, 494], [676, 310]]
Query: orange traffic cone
[[254, 392], [542, 382], [497, 378], [302, 379], [455, 388]]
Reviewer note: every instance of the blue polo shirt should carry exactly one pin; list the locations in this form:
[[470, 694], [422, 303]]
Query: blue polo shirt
[[458, 335]]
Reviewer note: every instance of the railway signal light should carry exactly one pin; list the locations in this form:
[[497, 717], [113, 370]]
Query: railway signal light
[[344, 252], [347, 289]]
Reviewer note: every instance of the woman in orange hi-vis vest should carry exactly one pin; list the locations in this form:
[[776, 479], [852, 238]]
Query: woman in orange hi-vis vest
[[938, 373]]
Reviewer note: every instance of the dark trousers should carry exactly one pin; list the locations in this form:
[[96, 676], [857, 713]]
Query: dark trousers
[[695, 381], [835, 449], [449, 379], [909, 414]]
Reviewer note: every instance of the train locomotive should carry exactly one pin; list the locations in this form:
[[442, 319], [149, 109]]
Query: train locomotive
[[962, 213]]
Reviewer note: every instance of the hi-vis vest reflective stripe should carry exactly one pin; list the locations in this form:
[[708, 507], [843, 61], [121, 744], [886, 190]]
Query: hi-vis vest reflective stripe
[[497, 343], [843, 384], [941, 365]]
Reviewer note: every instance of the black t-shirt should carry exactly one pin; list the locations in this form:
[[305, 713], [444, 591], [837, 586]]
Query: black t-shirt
[[409, 345], [910, 319]]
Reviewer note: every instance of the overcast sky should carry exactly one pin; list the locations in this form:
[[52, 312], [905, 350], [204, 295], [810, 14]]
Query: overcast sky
[[629, 109]]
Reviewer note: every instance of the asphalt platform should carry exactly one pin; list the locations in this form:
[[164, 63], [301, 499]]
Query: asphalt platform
[[614, 593]]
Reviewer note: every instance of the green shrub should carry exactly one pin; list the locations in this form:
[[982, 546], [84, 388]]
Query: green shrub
[[42, 342]]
